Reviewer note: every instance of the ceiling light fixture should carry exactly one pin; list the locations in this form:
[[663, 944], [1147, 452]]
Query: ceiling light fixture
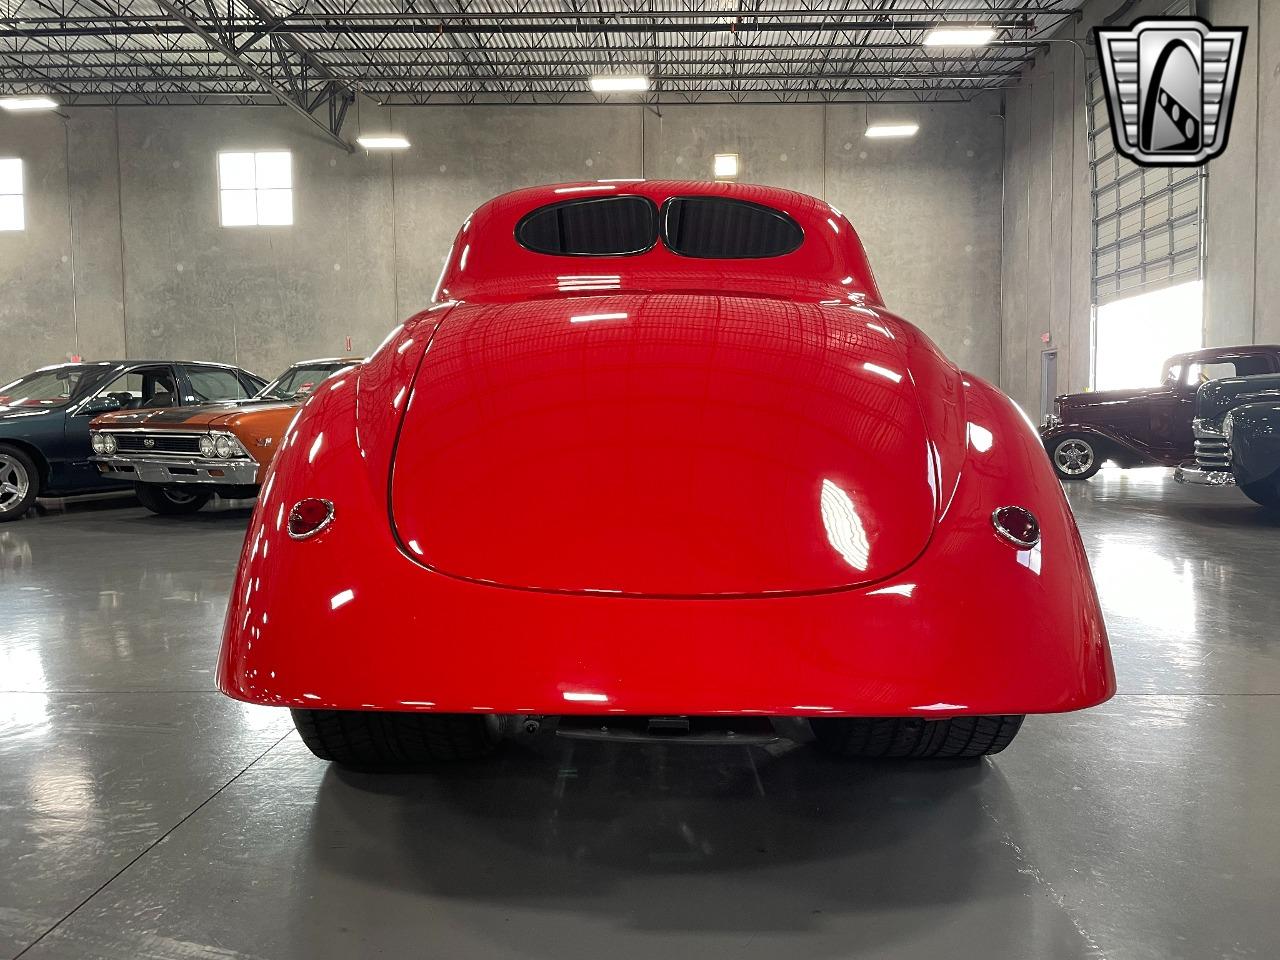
[[610, 83], [957, 36], [28, 103], [892, 130], [388, 141]]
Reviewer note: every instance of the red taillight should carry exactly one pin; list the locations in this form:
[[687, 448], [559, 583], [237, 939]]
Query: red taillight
[[308, 517], [1017, 525]]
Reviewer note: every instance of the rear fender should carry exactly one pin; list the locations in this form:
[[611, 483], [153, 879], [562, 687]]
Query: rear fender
[[339, 445], [941, 395]]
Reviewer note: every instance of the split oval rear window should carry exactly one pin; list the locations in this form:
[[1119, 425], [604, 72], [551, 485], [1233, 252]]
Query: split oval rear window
[[719, 228], [595, 227], [713, 228]]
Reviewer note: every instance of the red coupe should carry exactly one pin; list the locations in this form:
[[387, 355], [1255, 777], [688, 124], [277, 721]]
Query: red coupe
[[658, 464]]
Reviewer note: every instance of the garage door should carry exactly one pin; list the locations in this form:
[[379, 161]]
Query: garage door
[[1146, 222]]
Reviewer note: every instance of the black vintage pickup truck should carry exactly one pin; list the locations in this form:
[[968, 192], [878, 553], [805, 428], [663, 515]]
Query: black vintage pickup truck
[[1237, 437]]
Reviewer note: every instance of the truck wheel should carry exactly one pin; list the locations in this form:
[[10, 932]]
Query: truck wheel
[[170, 501], [19, 483], [1263, 492], [912, 738], [368, 738], [1074, 458]]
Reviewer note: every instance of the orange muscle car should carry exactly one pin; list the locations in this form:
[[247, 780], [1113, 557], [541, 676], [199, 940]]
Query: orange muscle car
[[179, 458]]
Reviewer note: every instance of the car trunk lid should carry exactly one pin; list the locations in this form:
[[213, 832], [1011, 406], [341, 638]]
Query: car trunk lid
[[663, 445]]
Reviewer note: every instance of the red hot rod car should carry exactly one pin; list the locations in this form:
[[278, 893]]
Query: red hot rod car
[[658, 463]]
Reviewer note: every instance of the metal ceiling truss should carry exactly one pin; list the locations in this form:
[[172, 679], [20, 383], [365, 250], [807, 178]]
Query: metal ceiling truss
[[314, 55]]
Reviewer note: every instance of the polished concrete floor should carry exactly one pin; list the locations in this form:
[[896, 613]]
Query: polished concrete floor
[[142, 815]]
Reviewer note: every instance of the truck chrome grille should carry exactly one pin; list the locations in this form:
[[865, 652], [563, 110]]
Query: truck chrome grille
[[1213, 453]]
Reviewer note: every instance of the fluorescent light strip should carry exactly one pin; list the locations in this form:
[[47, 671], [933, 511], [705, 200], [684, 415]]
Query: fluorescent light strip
[[882, 372], [601, 282], [28, 103], [892, 130], [383, 142], [592, 317], [619, 84], [958, 36]]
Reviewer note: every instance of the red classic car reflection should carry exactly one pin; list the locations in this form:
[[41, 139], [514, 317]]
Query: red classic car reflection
[[659, 464]]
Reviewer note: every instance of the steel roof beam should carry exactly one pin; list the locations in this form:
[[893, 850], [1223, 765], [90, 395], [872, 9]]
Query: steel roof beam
[[301, 99], [508, 28]]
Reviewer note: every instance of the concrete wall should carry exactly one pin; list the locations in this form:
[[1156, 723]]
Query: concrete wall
[[1048, 238], [1242, 216], [1047, 234], [1046, 282], [123, 253]]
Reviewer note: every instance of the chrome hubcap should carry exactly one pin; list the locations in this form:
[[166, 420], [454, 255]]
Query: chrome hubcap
[[14, 483], [1073, 457], [178, 496]]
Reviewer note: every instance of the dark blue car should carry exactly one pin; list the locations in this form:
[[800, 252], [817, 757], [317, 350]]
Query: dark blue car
[[44, 418]]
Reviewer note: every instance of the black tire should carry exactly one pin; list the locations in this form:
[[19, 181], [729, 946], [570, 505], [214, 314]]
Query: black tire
[[19, 483], [170, 501], [1074, 456], [358, 738], [1265, 493], [914, 738]]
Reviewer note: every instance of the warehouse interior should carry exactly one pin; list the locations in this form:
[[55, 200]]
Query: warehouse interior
[[145, 815]]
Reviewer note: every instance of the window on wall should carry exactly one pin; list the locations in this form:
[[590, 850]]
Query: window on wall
[[12, 216], [255, 189]]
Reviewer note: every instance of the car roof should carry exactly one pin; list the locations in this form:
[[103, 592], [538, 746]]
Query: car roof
[[532, 198], [1243, 350], [139, 361], [489, 263]]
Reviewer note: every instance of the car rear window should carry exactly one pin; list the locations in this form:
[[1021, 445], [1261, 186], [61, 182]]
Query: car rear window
[[596, 227], [722, 229]]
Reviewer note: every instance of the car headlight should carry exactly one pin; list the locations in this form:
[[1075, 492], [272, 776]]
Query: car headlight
[[225, 447], [99, 445], [1228, 425], [108, 443], [207, 446]]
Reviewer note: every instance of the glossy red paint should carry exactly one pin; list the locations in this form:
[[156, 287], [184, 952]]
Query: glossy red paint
[[703, 499], [664, 444]]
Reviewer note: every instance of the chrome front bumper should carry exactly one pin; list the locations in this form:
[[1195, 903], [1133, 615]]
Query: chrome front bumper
[[1194, 473], [172, 469]]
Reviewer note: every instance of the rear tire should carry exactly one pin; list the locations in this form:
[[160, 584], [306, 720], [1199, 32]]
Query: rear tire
[[170, 501], [1265, 493], [912, 738], [1074, 457], [19, 483], [358, 738]]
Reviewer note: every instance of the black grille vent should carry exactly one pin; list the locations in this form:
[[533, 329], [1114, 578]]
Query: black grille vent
[[158, 442]]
